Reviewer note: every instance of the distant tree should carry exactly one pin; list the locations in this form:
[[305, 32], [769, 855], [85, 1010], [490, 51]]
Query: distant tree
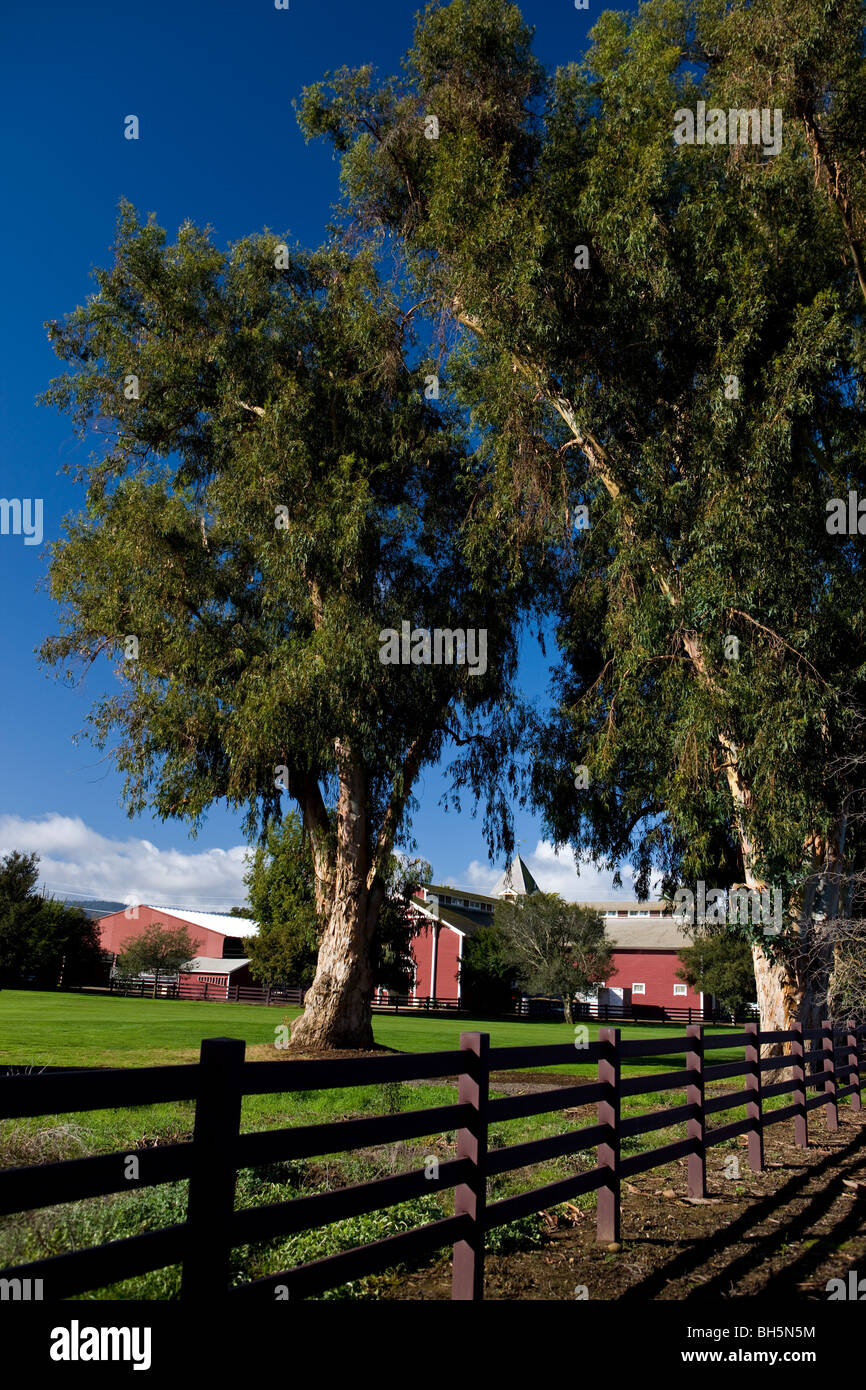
[[159, 950], [42, 941], [721, 965], [281, 883], [554, 947], [485, 975]]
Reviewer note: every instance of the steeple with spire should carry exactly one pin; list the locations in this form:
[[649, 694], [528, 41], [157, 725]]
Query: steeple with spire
[[516, 882]]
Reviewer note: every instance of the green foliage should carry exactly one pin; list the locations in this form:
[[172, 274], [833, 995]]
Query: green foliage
[[42, 941], [258, 630], [485, 974], [607, 387], [281, 887], [553, 947], [391, 1097], [273, 493], [158, 950], [720, 964]]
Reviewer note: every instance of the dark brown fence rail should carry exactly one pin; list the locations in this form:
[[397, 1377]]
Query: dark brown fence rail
[[207, 990], [820, 1060], [408, 1003]]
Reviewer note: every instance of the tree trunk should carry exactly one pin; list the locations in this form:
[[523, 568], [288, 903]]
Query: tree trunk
[[779, 995], [778, 991], [337, 1009], [337, 1005], [568, 1008]]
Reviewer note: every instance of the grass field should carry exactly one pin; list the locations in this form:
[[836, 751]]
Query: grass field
[[87, 1030], [45, 1029]]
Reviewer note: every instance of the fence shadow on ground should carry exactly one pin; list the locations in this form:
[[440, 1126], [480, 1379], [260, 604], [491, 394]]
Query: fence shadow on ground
[[706, 1249]]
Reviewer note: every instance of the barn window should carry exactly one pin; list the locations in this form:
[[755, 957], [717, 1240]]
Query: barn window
[[681, 989], [638, 989]]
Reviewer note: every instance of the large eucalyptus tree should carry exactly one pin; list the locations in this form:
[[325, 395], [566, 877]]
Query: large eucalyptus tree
[[671, 335], [271, 490]]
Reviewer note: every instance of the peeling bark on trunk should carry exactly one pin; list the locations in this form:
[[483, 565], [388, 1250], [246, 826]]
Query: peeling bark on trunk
[[350, 891], [337, 1009], [795, 991], [778, 996], [776, 988], [337, 1004]]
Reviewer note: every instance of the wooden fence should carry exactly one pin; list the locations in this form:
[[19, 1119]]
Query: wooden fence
[[386, 1002], [202, 1244], [206, 989]]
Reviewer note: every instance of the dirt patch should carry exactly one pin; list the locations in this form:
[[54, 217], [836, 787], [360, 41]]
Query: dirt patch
[[778, 1234], [267, 1052]]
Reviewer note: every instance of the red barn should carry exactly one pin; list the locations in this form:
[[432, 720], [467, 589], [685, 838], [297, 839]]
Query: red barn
[[646, 957], [645, 938], [646, 942], [216, 935]]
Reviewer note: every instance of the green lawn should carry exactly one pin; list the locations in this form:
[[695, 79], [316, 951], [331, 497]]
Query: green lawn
[[47, 1029], [62, 1029]]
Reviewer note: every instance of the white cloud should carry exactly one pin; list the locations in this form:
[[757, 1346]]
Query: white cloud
[[76, 860], [555, 872], [73, 859]]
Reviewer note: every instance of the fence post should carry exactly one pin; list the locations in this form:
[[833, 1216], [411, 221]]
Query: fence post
[[831, 1109], [798, 1073], [755, 1104], [470, 1198], [211, 1200], [696, 1122], [854, 1061], [607, 1208]]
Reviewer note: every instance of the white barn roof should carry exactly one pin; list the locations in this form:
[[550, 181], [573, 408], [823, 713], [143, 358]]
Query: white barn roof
[[212, 921], [213, 965]]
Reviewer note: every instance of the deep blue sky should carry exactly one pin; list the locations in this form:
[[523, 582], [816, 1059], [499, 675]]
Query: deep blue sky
[[212, 85]]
